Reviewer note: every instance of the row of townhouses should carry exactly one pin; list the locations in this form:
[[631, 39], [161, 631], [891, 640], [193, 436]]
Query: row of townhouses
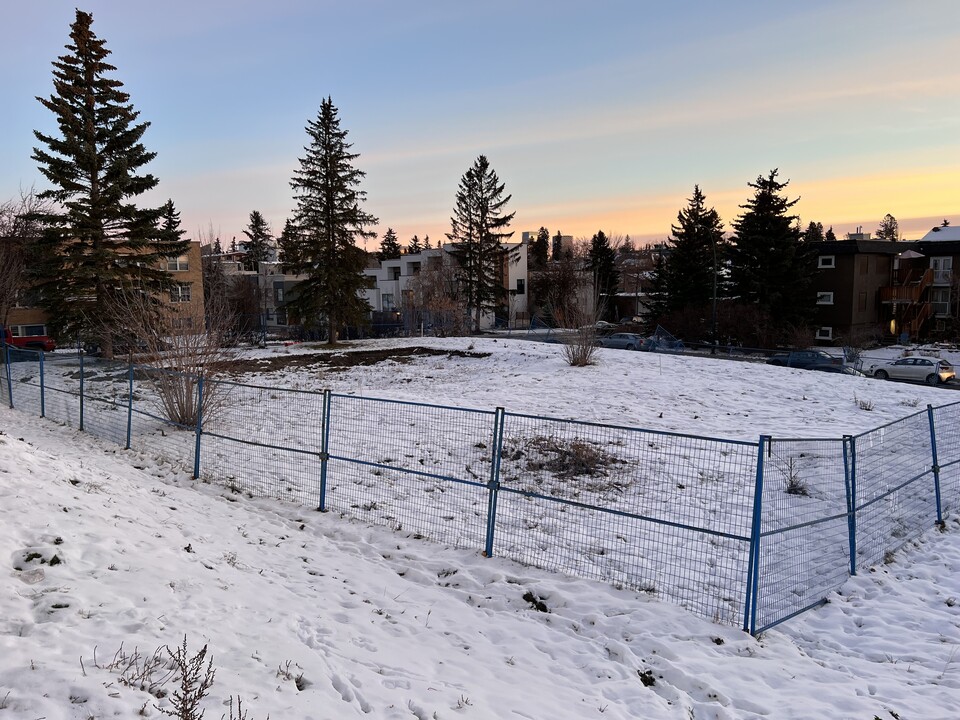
[[865, 288]]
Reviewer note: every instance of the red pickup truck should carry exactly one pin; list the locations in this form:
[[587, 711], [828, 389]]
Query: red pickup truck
[[27, 342]]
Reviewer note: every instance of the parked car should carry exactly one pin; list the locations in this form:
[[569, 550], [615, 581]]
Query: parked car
[[919, 369], [622, 341], [804, 359], [27, 342]]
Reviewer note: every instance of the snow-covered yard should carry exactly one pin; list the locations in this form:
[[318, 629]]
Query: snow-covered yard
[[464, 628]]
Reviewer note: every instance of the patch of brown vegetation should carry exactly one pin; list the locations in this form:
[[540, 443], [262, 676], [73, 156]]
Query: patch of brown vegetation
[[340, 359]]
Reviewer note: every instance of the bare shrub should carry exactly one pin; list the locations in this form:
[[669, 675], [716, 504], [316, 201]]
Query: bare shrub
[[863, 403], [17, 232], [141, 672], [580, 338], [176, 346], [194, 681]]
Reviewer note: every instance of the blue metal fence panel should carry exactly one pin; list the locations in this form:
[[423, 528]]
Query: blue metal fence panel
[[896, 498], [664, 513], [417, 467], [264, 441], [804, 540]]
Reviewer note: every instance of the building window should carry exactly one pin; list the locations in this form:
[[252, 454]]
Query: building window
[[824, 298], [182, 323], [394, 273], [825, 333], [862, 302], [827, 261], [178, 264], [940, 300], [521, 286], [278, 292], [180, 293], [281, 316], [387, 301], [414, 268]]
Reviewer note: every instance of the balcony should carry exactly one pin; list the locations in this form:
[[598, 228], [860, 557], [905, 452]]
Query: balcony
[[908, 286]]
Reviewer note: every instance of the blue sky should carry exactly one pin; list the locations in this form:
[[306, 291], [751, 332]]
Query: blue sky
[[598, 115]]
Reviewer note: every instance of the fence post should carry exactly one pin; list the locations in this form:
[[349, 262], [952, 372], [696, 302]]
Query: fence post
[[81, 389], [129, 404], [753, 564], [199, 431], [936, 465], [493, 485], [6, 359], [43, 397], [324, 450], [850, 485]]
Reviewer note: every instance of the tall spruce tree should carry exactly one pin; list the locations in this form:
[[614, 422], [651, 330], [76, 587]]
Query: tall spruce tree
[[477, 230], [415, 245], [696, 248], [97, 245], [327, 221], [258, 247], [770, 267], [556, 246], [602, 262], [389, 246], [829, 235]]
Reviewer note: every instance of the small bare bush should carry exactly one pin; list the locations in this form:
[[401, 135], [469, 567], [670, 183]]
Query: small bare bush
[[194, 682], [176, 347], [863, 403], [580, 338], [141, 672]]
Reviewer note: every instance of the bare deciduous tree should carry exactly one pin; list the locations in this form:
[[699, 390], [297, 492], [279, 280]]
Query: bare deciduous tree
[[433, 293], [17, 231]]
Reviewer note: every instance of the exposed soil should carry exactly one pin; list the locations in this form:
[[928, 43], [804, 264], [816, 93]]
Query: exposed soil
[[340, 359]]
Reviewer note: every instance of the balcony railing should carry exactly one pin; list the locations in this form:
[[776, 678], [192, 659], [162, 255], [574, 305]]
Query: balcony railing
[[908, 287]]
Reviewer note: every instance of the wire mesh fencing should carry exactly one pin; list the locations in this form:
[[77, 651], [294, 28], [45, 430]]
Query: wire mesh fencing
[[412, 466], [666, 514], [751, 532], [803, 551]]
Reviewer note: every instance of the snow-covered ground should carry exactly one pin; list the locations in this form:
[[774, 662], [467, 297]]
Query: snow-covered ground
[[379, 624]]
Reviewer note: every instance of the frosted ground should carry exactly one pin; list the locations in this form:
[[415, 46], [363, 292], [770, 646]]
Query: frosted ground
[[378, 624]]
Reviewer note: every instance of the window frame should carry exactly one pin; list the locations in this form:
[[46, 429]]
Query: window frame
[[826, 262]]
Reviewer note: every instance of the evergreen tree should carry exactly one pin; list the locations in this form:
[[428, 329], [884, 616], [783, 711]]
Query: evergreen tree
[[814, 232], [415, 245], [288, 245], [426, 242], [540, 250], [769, 265], [829, 235], [389, 246], [602, 262], [327, 220], [626, 248], [692, 268], [657, 305], [95, 229], [477, 230], [556, 248], [889, 229], [259, 244]]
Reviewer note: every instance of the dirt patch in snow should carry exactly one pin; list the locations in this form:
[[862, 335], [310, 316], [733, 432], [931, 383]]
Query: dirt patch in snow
[[341, 359]]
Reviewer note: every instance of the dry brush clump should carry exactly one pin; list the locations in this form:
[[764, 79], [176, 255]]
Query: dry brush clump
[[580, 337], [174, 348]]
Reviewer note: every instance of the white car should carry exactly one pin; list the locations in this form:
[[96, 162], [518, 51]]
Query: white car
[[918, 369]]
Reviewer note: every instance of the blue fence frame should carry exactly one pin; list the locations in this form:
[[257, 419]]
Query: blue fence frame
[[743, 533]]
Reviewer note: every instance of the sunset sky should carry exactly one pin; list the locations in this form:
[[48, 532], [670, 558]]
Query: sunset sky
[[599, 115]]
